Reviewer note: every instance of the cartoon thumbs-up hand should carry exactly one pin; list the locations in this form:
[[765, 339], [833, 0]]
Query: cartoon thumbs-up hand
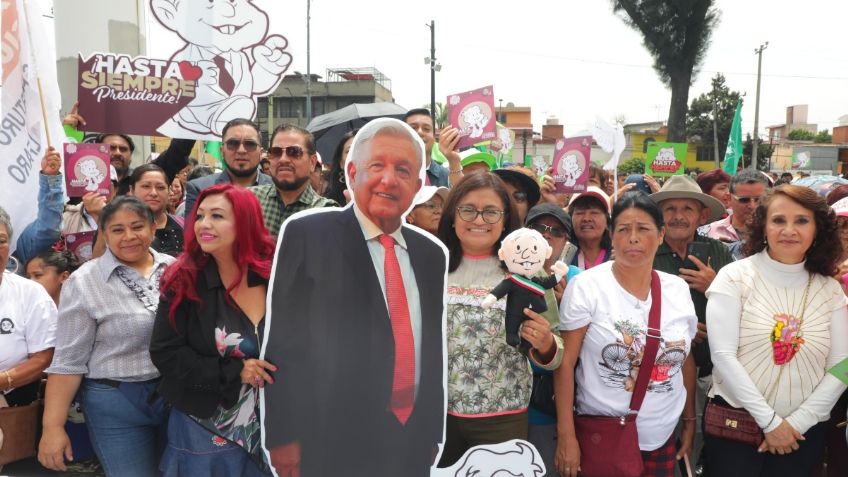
[[271, 60]]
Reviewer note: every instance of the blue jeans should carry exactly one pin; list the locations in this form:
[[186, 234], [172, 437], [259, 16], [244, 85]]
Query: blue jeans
[[126, 430], [195, 451]]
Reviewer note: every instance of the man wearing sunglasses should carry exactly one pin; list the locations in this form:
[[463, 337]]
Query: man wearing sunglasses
[[746, 189], [293, 158], [241, 150]]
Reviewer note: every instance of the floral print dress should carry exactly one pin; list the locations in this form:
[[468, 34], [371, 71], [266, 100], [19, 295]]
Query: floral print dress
[[238, 338]]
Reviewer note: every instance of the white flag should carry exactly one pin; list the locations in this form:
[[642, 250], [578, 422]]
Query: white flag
[[23, 141]]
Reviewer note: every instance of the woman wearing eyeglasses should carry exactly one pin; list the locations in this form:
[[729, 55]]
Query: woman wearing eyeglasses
[[426, 210], [489, 382]]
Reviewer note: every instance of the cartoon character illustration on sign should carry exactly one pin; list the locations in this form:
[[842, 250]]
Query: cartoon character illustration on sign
[[495, 460], [524, 252], [92, 175], [666, 155], [230, 54], [570, 169], [475, 119]]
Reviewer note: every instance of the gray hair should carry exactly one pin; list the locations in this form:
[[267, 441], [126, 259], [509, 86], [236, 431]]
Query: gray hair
[[747, 176], [6, 221], [361, 147]]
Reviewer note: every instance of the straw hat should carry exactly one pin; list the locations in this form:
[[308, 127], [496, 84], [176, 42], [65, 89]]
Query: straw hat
[[682, 187]]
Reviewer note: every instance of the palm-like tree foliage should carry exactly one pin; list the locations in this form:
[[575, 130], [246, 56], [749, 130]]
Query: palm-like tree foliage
[[677, 34]]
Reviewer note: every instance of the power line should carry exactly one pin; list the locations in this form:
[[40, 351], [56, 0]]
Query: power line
[[613, 63]]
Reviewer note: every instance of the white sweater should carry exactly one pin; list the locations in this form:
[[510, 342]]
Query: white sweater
[[746, 300]]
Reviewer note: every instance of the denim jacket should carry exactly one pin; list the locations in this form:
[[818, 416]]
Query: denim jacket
[[44, 231]]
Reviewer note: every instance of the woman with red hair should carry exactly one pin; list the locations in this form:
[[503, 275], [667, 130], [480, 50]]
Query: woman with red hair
[[207, 337]]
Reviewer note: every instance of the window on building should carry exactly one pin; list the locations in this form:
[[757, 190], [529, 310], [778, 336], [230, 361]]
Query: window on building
[[705, 152], [262, 107], [318, 105], [342, 102], [288, 107]]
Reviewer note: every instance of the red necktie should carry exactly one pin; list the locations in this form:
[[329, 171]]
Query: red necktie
[[225, 80], [403, 382]]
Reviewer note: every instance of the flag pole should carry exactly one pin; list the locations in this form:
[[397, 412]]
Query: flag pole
[[37, 76]]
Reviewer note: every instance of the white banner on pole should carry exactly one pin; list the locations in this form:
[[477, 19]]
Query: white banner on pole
[[26, 58]]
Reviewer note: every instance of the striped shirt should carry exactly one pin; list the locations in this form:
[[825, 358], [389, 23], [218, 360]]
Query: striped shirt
[[106, 313]]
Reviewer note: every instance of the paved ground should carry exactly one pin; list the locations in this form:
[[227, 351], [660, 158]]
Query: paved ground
[[31, 468]]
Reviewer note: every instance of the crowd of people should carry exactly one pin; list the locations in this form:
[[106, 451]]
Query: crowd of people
[[204, 290]]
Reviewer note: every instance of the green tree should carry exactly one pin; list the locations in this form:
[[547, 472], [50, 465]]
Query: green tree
[[800, 135], [823, 137], [764, 152], [441, 114], [676, 33], [720, 103], [634, 165]]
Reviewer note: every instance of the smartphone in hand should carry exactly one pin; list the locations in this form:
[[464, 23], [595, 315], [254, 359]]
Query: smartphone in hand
[[701, 250]]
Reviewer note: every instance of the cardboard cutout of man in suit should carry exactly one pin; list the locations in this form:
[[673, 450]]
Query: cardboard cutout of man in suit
[[334, 408]]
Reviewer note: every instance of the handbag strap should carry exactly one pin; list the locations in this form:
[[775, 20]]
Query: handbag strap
[[652, 344]]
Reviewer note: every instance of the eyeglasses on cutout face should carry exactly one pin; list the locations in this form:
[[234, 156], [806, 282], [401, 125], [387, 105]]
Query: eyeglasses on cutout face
[[747, 199], [555, 231], [249, 145], [469, 214], [294, 151]]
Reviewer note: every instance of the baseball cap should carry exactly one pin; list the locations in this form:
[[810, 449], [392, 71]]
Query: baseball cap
[[427, 192], [840, 207], [594, 192], [553, 210]]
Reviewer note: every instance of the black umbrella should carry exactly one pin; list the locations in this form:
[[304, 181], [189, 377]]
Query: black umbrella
[[329, 128]]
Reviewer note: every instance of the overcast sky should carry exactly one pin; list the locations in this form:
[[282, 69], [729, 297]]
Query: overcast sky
[[573, 59]]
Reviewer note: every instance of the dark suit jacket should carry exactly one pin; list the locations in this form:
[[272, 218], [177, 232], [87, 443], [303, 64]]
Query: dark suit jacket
[[194, 187], [330, 335], [195, 378]]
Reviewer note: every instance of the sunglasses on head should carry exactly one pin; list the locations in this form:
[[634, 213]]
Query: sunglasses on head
[[747, 200], [249, 145], [555, 231], [276, 152]]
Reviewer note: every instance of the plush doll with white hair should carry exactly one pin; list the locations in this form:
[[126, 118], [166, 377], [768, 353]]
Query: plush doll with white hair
[[524, 252]]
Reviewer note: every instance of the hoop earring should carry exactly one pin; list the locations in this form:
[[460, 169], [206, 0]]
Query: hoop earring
[[341, 178]]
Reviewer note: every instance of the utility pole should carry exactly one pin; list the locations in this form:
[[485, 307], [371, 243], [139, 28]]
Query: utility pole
[[759, 53], [715, 130], [432, 26], [308, 71]]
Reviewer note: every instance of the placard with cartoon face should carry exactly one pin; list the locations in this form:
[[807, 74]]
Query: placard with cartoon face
[[225, 55], [571, 164], [87, 169], [665, 159], [473, 114]]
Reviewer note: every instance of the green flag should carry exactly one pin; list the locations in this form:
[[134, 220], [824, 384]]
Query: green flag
[[734, 143], [213, 148]]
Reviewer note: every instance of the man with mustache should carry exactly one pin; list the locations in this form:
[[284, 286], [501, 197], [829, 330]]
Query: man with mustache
[[684, 208], [292, 156], [240, 148]]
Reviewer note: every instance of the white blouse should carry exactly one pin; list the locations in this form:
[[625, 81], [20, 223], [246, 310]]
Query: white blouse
[[757, 318]]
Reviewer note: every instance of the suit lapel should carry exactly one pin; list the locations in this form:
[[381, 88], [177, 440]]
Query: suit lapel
[[356, 253]]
